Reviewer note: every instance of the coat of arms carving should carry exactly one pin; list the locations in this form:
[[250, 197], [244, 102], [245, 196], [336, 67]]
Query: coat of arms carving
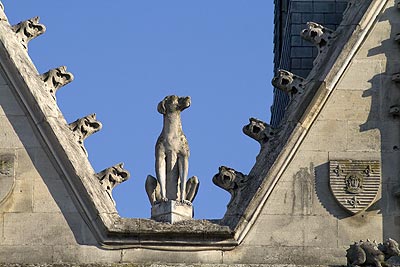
[[355, 183]]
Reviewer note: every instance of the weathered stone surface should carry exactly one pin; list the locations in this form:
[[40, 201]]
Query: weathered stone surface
[[56, 78], [111, 177], [260, 131], [232, 181], [171, 211], [84, 127], [319, 36], [27, 30], [290, 83]]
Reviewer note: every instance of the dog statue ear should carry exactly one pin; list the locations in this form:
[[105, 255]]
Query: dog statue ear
[[161, 107]]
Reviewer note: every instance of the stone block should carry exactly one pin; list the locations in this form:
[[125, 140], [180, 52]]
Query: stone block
[[390, 167], [25, 168], [332, 18], [341, 106], [296, 18], [303, 7], [307, 63], [325, 256], [26, 254], [361, 75], [51, 196], [8, 104], [22, 229], [362, 140], [324, 6], [20, 199], [379, 43], [45, 165], [367, 225], [16, 132], [171, 211], [301, 72], [296, 63], [318, 18], [322, 231], [296, 41], [182, 257], [3, 80], [341, 7], [326, 135], [85, 255], [295, 29], [251, 254], [277, 231]]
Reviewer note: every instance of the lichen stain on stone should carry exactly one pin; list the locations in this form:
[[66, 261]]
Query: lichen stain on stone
[[303, 191]]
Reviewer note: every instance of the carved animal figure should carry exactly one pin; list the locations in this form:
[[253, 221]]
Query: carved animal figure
[[172, 150], [84, 127], [230, 180], [289, 83], [28, 29], [111, 177], [56, 78], [365, 253], [259, 130]]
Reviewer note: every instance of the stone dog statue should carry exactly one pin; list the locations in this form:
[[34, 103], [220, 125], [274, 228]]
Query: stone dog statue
[[172, 157], [367, 253]]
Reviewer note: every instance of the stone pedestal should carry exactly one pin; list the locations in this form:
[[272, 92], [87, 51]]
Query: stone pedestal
[[171, 211]]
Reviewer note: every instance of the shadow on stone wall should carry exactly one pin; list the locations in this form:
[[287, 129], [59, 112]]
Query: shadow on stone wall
[[384, 94]]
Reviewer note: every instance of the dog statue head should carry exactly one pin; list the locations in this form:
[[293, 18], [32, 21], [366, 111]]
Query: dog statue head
[[173, 103]]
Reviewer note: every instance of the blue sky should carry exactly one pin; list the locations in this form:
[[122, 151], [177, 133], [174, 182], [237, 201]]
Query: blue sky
[[126, 56]]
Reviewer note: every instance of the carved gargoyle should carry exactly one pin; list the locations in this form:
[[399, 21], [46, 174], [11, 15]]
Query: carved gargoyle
[[394, 110], [56, 78], [28, 29], [153, 189], [318, 35], [260, 131], [289, 83], [84, 127], [231, 181], [367, 253], [111, 177]]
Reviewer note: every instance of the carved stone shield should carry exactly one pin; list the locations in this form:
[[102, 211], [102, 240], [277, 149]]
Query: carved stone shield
[[7, 176], [355, 183]]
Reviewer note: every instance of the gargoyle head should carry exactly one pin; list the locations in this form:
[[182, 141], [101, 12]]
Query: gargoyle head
[[29, 29], [313, 33], [173, 103], [229, 179], [283, 80], [259, 130], [85, 127], [56, 78], [111, 177]]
